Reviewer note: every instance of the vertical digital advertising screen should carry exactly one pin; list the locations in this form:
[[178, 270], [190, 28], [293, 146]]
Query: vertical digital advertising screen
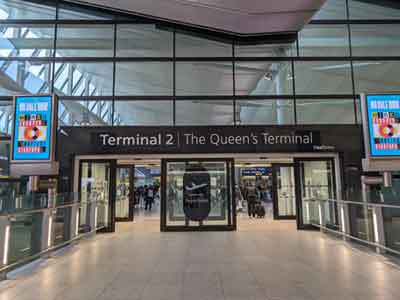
[[32, 135], [383, 115]]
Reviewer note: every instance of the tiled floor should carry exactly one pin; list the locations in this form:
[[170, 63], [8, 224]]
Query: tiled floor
[[264, 259]]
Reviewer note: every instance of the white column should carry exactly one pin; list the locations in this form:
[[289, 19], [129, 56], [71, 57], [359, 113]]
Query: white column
[[321, 213], [5, 230], [74, 226], [379, 229], [344, 217], [93, 215], [47, 230]]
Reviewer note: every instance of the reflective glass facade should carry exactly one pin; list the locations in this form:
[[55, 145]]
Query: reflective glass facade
[[114, 70]]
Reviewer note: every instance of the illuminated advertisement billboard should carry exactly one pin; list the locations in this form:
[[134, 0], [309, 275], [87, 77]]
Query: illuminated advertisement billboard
[[33, 128], [383, 116]]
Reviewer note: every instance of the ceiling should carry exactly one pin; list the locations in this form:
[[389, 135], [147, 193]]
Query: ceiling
[[241, 17]]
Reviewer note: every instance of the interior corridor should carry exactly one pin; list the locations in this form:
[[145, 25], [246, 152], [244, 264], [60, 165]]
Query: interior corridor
[[264, 259]]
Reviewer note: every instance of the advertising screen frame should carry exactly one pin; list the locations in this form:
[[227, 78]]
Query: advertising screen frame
[[374, 163], [53, 130]]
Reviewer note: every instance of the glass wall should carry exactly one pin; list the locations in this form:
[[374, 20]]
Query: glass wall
[[105, 66]]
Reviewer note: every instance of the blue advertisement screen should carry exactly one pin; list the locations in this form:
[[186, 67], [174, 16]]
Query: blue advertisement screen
[[384, 124], [32, 128]]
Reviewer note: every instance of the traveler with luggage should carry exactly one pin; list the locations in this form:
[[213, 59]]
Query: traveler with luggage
[[149, 198], [251, 197]]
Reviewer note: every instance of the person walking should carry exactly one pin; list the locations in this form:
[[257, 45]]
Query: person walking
[[149, 198], [251, 197]]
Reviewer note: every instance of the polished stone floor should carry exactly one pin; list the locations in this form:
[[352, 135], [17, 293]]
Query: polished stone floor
[[264, 259]]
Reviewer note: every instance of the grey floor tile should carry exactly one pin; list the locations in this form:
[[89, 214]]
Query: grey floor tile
[[264, 259]]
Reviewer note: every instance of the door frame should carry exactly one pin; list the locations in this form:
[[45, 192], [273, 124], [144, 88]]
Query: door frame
[[111, 189], [231, 208], [275, 199], [299, 200], [131, 204]]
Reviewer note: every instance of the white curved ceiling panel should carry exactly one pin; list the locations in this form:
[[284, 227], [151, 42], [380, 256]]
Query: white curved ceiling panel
[[244, 17]]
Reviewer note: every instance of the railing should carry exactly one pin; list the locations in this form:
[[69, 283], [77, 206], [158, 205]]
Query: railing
[[38, 224], [374, 224]]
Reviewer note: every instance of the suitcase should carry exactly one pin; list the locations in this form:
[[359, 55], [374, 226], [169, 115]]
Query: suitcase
[[260, 210]]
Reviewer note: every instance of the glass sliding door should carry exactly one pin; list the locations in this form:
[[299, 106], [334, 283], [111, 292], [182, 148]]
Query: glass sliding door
[[124, 193], [197, 195], [284, 191], [95, 190], [315, 182]]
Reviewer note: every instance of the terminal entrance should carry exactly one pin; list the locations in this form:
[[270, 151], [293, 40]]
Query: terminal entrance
[[137, 190], [200, 194]]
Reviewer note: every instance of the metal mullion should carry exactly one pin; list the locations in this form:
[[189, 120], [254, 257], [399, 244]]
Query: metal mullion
[[52, 88], [326, 96], [174, 79], [27, 58], [6, 98], [294, 93], [208, 97], [234, 83], [114, 76], [263, 58], [351, 63]]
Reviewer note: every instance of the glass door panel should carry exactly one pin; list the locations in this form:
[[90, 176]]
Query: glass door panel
[[197, 194], [95, 189], [285, 198], [123, 207], [316, 182]]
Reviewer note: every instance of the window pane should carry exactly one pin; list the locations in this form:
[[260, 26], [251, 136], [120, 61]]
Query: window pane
[[6, 116], [85, 113], [71, 12], [375, 40], [85, 40], [204, 78], [84, 79], [144, 78], [21, 77], [264, 112], [143, 40], [323, 77], [26, 40], [324, 40], [5, 187], [266, 50], [324, 111], [187, 45], [363, 10], [332, 10], [204, 112], [21, 9], [376, 76], [143, 113], [264, 78]]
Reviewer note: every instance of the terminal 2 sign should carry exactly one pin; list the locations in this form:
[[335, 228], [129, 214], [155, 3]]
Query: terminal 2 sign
[[204, 139], [208, 140]]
